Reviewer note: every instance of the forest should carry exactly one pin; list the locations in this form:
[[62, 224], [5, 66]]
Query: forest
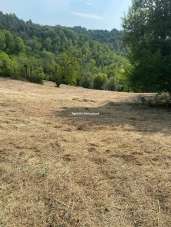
[[138, 58], [74, 56]]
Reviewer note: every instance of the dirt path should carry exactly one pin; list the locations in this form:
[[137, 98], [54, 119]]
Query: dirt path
[[60, 169]]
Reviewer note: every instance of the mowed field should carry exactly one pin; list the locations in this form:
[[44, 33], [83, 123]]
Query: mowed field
[[62, 169]]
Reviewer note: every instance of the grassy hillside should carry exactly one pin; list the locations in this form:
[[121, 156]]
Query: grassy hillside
[[59, 169]]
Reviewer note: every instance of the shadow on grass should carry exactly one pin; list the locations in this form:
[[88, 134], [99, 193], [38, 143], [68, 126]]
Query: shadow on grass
[[130, 116]]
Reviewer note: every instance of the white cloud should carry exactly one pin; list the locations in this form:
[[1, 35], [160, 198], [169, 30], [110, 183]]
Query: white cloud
[[87, 15]]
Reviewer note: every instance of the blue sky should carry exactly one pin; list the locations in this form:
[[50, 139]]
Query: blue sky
[[93, 14]]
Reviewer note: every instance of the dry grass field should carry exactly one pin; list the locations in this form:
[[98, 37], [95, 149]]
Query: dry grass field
[[59, 169]]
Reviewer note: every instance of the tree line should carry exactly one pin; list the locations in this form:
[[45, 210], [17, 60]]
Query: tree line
[[74, 56], [135, 59]]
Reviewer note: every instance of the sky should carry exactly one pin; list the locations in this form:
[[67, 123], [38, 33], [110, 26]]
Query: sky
[[92, 14]]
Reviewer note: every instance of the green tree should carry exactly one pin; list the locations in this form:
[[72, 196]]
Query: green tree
[[37, 75], [2, 41], [147, 30], [6, 67], [19, 45], [10, 42], [69, 69], [48, 44]]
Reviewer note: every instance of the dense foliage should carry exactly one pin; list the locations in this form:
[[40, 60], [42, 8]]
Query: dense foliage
[[76, 56], [148, 36]]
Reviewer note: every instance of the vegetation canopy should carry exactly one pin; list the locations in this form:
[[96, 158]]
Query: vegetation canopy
[[147, 34], [75, 56]]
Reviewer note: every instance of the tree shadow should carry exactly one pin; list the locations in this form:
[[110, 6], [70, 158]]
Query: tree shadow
[[130, 116]]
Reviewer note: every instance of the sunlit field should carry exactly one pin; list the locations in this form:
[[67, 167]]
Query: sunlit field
[[77, 157]]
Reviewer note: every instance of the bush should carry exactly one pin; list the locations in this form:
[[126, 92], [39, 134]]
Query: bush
[[86, 80], [36, 76], [100, 81], [110, 84]]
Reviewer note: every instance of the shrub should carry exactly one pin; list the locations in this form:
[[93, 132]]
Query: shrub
[[36, 76], [100, 80], [110, 84]]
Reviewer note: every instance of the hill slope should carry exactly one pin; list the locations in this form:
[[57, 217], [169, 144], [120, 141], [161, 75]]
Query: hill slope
[[74, 56], [60, 34], [59, 169]]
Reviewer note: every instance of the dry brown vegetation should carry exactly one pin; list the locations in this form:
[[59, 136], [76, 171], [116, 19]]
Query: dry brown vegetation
[[60, 170]]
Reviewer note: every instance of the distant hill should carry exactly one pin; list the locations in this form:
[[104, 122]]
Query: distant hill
[[75, 56], [112, 38], [61, 35]]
